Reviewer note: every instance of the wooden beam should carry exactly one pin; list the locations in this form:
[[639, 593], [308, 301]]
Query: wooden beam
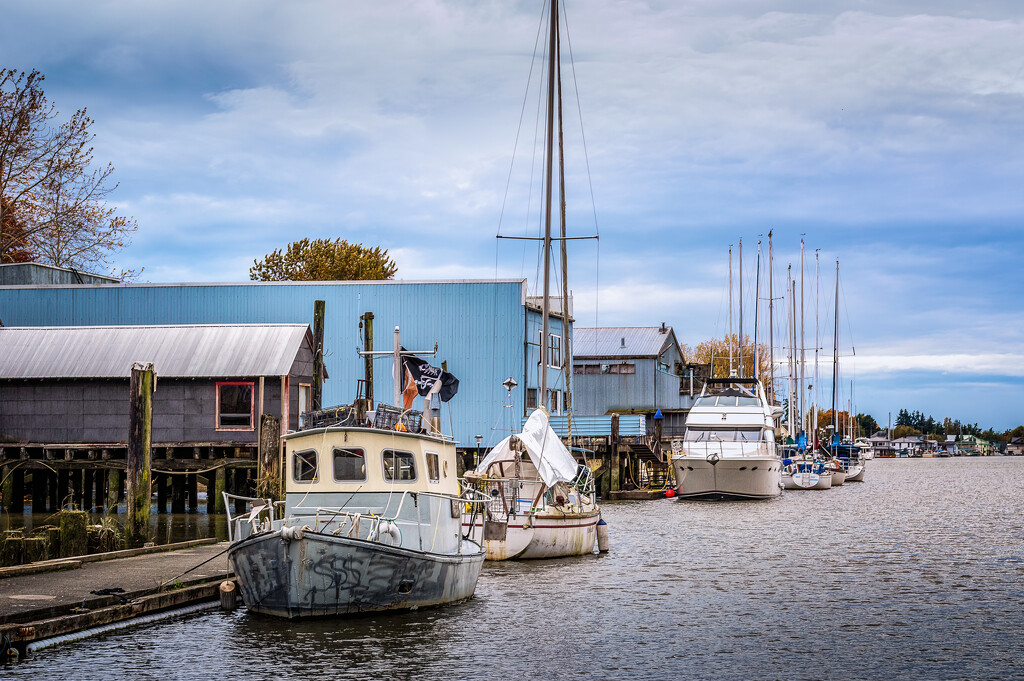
[[139, 454]]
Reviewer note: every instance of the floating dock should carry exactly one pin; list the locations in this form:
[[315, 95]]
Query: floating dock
[[41, 601]]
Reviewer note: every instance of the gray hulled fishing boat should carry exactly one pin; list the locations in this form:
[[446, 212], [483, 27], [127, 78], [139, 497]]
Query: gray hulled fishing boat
[[371, 521]]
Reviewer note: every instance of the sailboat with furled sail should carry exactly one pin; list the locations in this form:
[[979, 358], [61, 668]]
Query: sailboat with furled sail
[[542, 502]]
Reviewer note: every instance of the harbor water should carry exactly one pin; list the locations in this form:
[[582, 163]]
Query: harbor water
[[917, 573]]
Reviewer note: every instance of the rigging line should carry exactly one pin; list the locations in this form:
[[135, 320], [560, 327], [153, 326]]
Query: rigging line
[[579, 111], [519, 127]]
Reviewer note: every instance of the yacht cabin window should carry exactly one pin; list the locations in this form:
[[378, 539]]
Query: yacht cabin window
[[433, 468], [398, 465], [349, 464], [304, 466], [697, 434]]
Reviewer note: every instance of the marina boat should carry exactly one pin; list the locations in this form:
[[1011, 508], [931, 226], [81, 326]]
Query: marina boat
[[542, 504], [852, 461], [371, 520], [729, 448], [805, 473]]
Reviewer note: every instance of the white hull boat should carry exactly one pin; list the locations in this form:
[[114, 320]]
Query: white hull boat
[[542, 504], [806, 475], [728, 448]]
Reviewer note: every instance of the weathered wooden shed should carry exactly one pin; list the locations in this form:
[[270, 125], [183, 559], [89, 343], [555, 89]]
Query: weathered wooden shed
[[64, 398]]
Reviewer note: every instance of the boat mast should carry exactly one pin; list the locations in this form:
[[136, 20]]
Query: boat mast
[[732, 372], [741, 308], [757, 301], [835, 361], [790, 333], [549, 172], [566, 361], [817, 286], [803, 346], [771, 316]]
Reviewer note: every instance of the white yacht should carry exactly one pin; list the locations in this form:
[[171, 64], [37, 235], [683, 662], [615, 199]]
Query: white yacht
[[729, 448]]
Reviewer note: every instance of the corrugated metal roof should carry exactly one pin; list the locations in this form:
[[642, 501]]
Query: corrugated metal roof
[[620, 341], [187, 351]]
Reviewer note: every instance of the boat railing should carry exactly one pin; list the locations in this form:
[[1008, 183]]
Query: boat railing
[[511, 496], [378, 527], [259, 516]]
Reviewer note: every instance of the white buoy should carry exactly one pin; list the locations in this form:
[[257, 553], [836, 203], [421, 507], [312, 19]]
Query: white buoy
[[602, 536]]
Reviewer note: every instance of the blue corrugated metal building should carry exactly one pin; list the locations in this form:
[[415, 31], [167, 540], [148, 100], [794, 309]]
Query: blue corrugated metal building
[[486, 331]]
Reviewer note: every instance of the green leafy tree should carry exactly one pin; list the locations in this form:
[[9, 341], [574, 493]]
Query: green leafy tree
[[324, 260], [54, 195], [866, 424]]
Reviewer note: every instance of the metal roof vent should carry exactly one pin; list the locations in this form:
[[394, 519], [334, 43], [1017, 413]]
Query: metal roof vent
[[623, 342], [663, 328]]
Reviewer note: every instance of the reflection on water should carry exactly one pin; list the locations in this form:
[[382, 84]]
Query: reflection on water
[[164, 528], [917, 573]]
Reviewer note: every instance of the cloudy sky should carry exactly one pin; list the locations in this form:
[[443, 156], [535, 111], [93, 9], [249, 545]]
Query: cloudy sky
[[888, 134]]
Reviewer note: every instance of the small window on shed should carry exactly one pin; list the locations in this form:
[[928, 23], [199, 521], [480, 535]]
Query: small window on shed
[[349, 464], [398, 466], [234, 406], [304, 466], [433, 467]]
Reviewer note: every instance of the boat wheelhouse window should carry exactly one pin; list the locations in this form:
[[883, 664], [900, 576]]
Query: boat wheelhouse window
[[349, 464], [234, 406], [748, 402], [304, 465], [398, 465], [433, 467], [695, 434]]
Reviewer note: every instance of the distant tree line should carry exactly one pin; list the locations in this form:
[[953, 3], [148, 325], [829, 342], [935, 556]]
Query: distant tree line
[[910, 423]]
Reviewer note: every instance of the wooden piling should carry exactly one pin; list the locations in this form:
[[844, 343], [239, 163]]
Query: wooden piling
[[139, 453], [38, 491], [73, 533], [177, 493], [217, 499], [6, 488], [113, 491], [192, 492], [17, 491], [161, 491], [100, 496], [318, 354], [268, 475], [615, 469], [368, 359]]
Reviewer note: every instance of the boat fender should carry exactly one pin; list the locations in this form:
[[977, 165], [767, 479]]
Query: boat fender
[[387, 532], [602, 536]]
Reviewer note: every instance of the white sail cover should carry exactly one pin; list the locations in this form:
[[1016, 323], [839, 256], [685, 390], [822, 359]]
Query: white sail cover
[[548, 454]]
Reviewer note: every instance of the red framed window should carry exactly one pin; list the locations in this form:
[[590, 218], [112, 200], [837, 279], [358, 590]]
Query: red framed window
[[235, 406]]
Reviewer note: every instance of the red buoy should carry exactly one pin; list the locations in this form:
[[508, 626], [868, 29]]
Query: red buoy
[[669, 493]]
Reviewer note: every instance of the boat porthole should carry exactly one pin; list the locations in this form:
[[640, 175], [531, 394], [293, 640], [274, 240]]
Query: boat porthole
[[743, 468], [754, 468]]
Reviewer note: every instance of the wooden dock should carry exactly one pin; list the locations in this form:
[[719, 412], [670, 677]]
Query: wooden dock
[[81, 593]]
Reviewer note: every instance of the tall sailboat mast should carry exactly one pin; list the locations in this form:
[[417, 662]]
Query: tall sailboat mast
[[817, 343], [803, 346], [732, 371], [835, 363], [548, 179], [771, 317], [741, 308], [757, 302]]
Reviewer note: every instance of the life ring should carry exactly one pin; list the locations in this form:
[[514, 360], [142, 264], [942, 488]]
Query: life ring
[[387, 532]]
